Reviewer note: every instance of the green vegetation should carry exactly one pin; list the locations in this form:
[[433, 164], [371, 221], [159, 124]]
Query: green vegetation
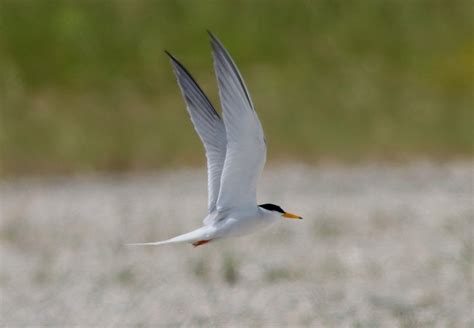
[[230, 269], [85, 85]]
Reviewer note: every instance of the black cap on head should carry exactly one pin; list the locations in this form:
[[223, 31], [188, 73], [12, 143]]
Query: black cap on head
[[272, 207]]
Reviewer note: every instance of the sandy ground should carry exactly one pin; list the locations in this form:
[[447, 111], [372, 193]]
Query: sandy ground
[[379, 247]]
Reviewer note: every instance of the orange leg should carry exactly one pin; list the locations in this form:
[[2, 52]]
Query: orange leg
[[201, 242]]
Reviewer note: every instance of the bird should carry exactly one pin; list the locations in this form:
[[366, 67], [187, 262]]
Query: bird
[[235, 148]]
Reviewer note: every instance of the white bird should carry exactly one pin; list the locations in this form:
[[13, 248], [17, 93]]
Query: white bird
[[235, 150]]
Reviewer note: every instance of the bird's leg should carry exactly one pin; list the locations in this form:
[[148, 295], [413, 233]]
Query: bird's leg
[[200, 242]]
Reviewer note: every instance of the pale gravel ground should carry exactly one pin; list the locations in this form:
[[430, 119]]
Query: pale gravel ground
[[379, 247]]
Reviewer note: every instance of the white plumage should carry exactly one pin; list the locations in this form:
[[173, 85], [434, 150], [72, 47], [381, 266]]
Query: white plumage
[[235, 150]]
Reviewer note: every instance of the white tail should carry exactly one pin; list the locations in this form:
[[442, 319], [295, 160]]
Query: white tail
[[151, 244], [190, 237]]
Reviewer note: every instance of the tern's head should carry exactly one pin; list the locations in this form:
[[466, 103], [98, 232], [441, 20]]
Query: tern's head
[[278, 211]]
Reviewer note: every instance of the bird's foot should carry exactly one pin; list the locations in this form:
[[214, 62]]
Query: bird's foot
[[200, 242]]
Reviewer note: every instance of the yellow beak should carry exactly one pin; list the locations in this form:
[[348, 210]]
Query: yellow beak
[[291, 216]]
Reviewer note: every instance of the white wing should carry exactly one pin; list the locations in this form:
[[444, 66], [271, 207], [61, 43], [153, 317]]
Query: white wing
[[246, 149], [208, 125]]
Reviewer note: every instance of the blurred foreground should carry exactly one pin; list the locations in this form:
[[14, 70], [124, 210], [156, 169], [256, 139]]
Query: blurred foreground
[[379, 246]]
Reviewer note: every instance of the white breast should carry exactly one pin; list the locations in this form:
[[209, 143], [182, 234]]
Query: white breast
[[240, 223]]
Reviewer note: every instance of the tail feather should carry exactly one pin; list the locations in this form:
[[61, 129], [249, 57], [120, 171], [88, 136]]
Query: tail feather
[[190, 237], [149, 244]]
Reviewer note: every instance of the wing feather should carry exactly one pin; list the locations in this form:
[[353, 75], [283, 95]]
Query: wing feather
[[208, 125], [246, 149]]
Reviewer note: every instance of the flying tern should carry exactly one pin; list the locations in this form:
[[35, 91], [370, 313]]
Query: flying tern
[[236, 152]]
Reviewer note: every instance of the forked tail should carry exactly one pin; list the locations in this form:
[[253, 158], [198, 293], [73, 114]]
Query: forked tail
[[190, 237], [151, 243]]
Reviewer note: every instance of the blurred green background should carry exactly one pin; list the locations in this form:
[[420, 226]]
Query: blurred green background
[[85, 85]]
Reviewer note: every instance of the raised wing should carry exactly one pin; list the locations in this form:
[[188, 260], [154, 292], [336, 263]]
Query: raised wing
[[246, 149], [208, 125]]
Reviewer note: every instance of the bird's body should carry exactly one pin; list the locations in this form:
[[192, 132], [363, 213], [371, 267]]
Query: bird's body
[[235, 150], [233, 223], [243, 221]]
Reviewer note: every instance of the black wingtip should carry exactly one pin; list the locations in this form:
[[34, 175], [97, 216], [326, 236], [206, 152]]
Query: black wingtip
[[170, 55], [214, 38], [174, 61]]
